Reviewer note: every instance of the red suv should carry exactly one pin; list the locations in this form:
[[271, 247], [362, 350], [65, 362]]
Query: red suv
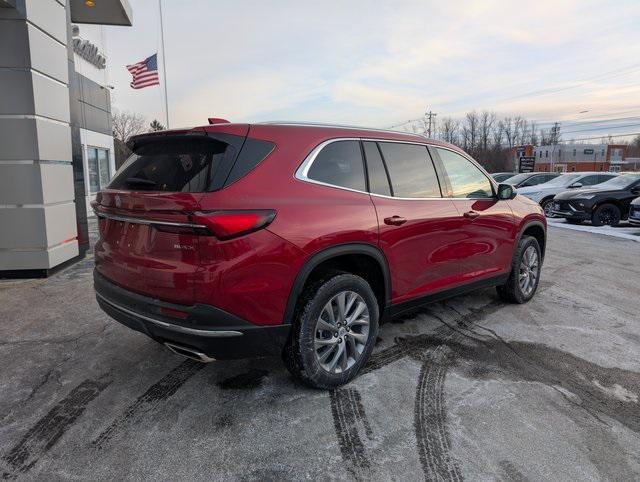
[[235, 240]]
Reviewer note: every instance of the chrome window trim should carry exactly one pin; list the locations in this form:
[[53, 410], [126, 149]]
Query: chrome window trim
[[303, 170], [171, 326], [131, 219]]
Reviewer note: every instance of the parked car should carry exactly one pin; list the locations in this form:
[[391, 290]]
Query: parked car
[[501, 176], [530, 178], [543, 193], [235, 240], [604, 204], [634, 212]]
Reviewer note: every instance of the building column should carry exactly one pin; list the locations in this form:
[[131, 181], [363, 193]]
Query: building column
[[37, 209]]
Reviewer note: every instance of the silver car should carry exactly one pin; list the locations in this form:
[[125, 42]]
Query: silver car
[[543, 193]]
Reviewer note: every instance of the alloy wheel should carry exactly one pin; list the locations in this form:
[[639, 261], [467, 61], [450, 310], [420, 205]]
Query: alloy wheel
[[607, 216], [548, 209], [342, 331], [529, 270]]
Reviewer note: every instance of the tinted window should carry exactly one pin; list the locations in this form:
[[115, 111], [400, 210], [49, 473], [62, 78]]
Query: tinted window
[[339, 164], [466, 179], [252, 153], [378, 181], [177, 165], [411, 170], [517, 179], [590, 180], [605, 177], [535, 180]]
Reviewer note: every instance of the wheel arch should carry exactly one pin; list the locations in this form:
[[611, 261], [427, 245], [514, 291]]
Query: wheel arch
[[332, 253], [536, 229]]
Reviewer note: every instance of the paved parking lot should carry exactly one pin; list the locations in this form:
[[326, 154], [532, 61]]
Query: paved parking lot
[[466, 389]]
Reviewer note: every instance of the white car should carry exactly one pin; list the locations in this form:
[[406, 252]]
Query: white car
[[543, 193]]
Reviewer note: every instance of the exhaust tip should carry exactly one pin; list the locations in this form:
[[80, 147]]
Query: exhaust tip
[[189, 353]]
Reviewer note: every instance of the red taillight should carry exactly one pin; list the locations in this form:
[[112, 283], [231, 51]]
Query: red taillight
[[230, 224]]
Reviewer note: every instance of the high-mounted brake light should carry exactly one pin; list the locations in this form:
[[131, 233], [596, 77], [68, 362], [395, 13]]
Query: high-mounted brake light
[[231, 224]]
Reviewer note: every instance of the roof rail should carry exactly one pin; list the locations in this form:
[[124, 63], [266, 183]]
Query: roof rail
[[335, 126]]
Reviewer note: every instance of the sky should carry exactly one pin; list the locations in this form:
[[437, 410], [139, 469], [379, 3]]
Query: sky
[[381, 63]]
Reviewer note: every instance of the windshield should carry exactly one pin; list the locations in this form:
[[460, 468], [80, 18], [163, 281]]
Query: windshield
[[620, 182], [518, 178], [562, 180]]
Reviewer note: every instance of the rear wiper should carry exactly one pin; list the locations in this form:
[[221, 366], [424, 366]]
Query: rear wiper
[[140, 181]]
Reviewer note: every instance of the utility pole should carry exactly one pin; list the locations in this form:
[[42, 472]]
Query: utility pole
[[431, 117]]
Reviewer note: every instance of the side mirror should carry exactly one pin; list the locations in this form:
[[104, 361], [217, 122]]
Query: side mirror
[[506, 191], [575, 185]]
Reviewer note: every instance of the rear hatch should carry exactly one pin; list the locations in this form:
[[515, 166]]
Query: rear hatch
[[148, 237]]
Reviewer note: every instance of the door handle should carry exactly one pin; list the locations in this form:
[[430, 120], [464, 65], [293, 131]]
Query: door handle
[[395, 220], [471, 215]]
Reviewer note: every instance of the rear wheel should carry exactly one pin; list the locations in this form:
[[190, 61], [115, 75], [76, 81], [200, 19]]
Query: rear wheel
[[606, 215], [547, 207], [334, 332], [525, 272]]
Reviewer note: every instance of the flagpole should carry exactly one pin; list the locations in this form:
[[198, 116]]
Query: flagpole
[[164, 65]]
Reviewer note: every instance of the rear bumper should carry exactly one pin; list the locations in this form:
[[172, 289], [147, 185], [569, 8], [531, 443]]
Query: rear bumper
[[205, 329]]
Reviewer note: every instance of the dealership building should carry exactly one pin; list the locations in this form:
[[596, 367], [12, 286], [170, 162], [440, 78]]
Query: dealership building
[[581, 157], [56, 144]]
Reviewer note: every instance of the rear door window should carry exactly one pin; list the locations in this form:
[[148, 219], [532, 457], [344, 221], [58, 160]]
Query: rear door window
[[339, 164], [411, 170], [467, 181], [175, 165], [378, 180]]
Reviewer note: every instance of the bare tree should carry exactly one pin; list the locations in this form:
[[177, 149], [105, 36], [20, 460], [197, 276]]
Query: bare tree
[[470, 131], [124, 125], [509, 131], [533, 137], [449, 130], [487, 119]]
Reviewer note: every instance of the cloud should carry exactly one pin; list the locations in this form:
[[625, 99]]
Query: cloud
[[378, 63]]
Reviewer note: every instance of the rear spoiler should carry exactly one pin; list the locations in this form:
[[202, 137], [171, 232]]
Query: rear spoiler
[[136, 141]]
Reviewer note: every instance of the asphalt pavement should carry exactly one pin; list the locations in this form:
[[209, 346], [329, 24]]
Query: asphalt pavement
[[471, 388]]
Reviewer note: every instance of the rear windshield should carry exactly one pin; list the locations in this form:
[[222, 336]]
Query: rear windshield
[[176, 165]]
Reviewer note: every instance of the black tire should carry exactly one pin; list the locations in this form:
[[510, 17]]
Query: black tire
[[300, 356], [511, 291], [546, 205], [606, 215], [574, 221]]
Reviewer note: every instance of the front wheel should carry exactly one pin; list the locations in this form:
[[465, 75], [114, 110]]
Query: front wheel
[[525, 272], [334, 331], [547, 207], [606, 215]]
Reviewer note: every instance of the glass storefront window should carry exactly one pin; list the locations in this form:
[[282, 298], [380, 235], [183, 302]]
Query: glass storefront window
[[98, 161]]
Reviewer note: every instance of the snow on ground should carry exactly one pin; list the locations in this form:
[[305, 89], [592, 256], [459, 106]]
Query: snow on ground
[[624, 230]]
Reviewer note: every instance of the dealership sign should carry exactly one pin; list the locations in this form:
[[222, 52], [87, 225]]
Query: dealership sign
[[527, 163], [87, 50]]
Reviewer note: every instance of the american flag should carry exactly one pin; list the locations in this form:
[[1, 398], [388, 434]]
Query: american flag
[[145, 73]]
